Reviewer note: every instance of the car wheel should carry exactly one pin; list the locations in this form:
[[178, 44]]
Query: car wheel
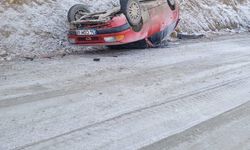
[[172, 4], [132, 10], [76, 12]]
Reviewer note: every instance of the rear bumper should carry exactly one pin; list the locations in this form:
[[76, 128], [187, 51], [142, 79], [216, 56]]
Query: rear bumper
[[110, 36], [100, 39]]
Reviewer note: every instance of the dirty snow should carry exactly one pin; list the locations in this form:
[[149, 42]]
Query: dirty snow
[[39, 27], [215, 15]]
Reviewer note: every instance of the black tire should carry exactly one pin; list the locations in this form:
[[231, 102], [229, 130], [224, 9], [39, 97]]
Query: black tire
[[172, 4], [73, 13], [132, 10], [138, 27]]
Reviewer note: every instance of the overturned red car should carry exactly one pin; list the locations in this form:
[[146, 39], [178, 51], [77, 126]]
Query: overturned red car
[[134, 24]]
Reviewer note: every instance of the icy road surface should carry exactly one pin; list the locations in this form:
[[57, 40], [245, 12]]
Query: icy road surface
[[193, 95]]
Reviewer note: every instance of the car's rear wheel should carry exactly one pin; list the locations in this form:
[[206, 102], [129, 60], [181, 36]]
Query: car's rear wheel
[[132, 10], [172, 4], [77, 11]]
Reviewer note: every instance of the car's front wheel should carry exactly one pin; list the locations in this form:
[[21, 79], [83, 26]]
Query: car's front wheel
[[77, 11]]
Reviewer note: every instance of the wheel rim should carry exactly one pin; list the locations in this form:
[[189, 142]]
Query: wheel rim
[[134, 12], [78, 14]]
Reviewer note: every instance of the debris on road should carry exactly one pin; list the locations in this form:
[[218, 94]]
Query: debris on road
[[96, 59], [31, 58]]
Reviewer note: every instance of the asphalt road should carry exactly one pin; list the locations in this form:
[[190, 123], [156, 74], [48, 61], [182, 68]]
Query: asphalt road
[[190, 95]]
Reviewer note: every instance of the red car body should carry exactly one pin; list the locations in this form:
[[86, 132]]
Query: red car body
[[158, 17]]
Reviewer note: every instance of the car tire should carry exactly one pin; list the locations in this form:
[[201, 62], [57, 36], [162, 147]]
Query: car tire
[[73, 13], [132, 10], [172, 4]]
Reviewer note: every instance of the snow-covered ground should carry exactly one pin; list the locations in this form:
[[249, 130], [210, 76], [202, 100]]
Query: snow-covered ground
[[39, 27], [194, 95], [215, 15]]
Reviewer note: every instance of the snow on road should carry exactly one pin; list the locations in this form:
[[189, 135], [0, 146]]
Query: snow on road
[[234, 125], [130, 99]]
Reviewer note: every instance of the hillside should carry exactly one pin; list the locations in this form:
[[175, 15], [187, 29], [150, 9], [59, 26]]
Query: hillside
[[39, 27]]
